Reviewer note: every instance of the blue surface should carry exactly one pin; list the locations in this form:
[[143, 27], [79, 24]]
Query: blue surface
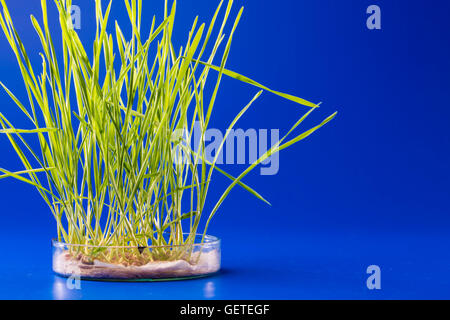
[[302, 266], [370, 188]]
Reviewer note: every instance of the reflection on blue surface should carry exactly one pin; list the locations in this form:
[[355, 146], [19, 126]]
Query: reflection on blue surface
[[197, 289], [62, 292]]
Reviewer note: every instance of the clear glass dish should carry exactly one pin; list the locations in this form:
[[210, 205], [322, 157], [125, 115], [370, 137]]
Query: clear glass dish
[[126, 263]]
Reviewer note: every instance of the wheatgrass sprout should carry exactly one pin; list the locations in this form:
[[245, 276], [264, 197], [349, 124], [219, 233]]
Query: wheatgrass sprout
[[107, 164]]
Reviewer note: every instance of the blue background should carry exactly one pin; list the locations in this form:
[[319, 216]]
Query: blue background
[[372, 187]]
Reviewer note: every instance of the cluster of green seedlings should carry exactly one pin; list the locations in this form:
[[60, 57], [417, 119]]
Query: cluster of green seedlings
[[132, 256], [105, 164]]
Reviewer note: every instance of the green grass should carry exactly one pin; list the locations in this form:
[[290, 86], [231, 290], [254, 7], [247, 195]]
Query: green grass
[[111, 152]]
